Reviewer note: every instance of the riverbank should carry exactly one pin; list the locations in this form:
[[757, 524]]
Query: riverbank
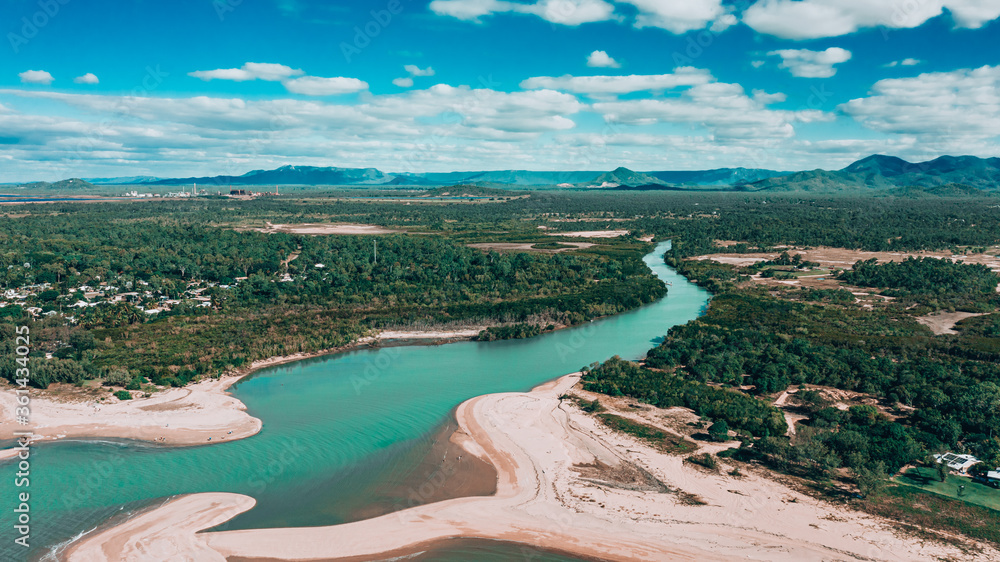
[[545, 450], [199, 413]]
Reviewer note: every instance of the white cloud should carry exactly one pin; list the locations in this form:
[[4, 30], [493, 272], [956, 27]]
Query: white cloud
[[681, 16], [904, 62], [674, 16], [565, 12], [316, 86], [813, 19], [604, 85], [249, 71], [952, 110], [723, 109], [415, 70], [812, 64], [88, 78], [601, 59], [36, 77]]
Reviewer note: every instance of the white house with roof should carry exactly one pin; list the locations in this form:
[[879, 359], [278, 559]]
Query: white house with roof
[[958, 463]]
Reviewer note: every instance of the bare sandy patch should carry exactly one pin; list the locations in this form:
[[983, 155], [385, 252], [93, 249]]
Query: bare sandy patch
[[591, 233], [545, 451], [323, 229], [944, 322], [844, 259], [527, 247]]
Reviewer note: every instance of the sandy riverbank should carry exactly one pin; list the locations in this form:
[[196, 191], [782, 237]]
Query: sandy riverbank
[[196, 414], [547, 496]]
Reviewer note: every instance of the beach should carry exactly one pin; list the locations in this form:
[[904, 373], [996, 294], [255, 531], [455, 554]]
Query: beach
[[545, 452], [199, 413]]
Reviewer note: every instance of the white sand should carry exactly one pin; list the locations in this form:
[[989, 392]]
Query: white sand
[[425, 334], [591, 233], [944, 322], [320, 229], [533, 439], [179, 416]]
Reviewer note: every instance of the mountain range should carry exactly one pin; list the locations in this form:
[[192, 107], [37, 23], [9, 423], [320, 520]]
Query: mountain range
[[874, 174], [882, 173], [316, 175]]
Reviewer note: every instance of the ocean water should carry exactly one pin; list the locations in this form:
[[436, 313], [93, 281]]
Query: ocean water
[[337, 431]]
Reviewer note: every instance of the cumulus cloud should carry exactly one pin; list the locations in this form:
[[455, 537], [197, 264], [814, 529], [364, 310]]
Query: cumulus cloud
[[674, 16], [316, 86], [36, 77], [904, 62], [724, 109], [601, 59], [88, 78], [415, 70], [812, 64], [565, 12], [682, 16], [605, 85], [960, 108], [249, 71], [813, 19]]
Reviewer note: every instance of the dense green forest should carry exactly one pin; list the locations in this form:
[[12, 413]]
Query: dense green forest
[[280, 293], [930, 281], [228, 294], [268, 294]]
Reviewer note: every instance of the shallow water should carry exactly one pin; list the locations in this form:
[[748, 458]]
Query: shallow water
[[337, 430]]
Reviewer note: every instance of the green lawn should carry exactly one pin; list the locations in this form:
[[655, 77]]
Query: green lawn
[[926, 479]]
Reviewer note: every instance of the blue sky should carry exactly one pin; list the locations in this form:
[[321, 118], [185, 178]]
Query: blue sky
[[225, 86]]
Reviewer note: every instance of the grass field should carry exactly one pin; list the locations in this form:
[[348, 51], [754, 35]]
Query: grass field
[[926, 479]]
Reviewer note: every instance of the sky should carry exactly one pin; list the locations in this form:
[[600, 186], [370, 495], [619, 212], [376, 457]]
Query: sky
[[207, 87]]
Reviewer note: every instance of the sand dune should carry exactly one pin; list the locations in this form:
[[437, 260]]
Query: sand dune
[[534, 440]]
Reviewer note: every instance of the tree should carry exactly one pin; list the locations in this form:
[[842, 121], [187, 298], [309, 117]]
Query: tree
[[719, 431], [871, 479], [942, 470]]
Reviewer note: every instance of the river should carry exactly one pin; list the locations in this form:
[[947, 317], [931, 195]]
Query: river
[[336, 431]]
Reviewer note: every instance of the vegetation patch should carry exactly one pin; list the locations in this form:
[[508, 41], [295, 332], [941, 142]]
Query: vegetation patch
[[662, 440]]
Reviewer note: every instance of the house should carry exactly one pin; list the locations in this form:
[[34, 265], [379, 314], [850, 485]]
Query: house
[[993, 475], [958, 463]]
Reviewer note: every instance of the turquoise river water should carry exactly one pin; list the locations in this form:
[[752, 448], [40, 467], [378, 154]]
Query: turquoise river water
[[337, 431]]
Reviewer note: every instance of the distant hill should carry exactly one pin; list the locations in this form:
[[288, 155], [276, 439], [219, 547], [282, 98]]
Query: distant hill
[[291, 175], [716, 177], [127, 180], [506, 177], [878, 173], [72, 184], [624, 176]]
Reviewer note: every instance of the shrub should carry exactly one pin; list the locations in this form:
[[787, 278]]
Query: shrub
[[117, 377], [123, 395]]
